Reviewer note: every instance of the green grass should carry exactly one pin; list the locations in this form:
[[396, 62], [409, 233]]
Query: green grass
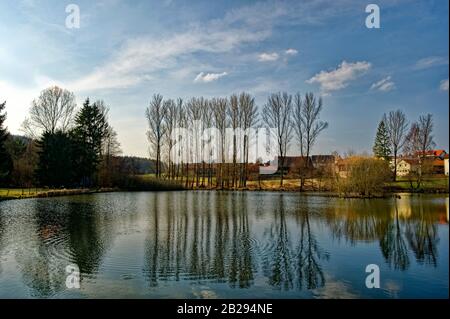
[[19, 192], [428, 184], [22, 192]]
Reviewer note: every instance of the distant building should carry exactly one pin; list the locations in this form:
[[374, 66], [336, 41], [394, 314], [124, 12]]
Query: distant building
[[406, 166], [446, 165], [294, 164], [433, 153], [433, 163], [437, 166], [323, 161]]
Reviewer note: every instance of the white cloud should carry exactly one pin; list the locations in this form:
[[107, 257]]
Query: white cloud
[[291, 52], [268, 57], [131, 64], [140, 56], [429, 62], [340, 77], [384, 85], [444, 85], [209, 77]]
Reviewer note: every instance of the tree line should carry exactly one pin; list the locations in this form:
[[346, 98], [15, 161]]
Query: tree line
[[71, 147], [292, 116], [65, 147], [396, 136]]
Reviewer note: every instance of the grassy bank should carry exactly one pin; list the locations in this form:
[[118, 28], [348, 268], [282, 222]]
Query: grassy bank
[[150, 183], [20, 193], [428, 185], [132, 184]]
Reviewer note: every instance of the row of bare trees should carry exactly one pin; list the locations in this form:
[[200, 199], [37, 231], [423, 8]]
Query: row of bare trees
[[166, 116], [288, 115]]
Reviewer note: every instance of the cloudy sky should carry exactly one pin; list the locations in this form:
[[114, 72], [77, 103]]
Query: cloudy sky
[[125, 51]]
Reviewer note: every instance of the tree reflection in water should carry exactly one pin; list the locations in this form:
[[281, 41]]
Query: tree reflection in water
[[392, 243], [288, 268], [207, 239], [412, 222], [234, 239], [423, 237], [278, 257], [56, 235], [310, 273]]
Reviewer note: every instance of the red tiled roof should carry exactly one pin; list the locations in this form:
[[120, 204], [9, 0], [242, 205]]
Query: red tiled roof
[[433, 153]]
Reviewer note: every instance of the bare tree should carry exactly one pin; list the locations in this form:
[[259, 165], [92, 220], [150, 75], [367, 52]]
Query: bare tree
[[180, 146], [298, 125], [396, 125], [111, 149], [54, 109], [171, 122], [184, 150], [194, 113], [418, 141], [249, 113], [277, 114], [426, 138], [208, 119], [220, 106], [156, 115], [307, 125], [111, 145], [235, 121]]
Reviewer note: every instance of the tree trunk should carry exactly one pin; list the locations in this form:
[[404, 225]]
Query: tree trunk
[[395, 166]]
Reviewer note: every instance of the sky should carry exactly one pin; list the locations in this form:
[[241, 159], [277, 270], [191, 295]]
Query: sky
[[126, 51]]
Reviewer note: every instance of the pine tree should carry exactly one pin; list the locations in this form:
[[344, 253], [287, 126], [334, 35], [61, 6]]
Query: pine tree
[[91, 128], [55, 166], [382, 148], [5, 158]]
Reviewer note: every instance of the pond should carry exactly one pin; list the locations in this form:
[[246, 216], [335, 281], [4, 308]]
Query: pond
[[205, 244]]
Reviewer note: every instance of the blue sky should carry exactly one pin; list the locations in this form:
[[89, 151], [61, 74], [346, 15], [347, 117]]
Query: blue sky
[[125, 51]]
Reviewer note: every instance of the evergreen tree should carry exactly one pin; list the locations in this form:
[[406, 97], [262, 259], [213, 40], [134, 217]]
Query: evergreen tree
[[382, 148], [5, 158], [55, 165], [91, 128]]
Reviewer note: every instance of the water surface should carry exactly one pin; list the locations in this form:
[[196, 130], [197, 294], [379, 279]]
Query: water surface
[[223, 245]]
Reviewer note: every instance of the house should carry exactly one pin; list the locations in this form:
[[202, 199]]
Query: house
[[294, 164], [433, 154], [436, 166], [323, 161], [405, 166], [446, 165], [433, 162]]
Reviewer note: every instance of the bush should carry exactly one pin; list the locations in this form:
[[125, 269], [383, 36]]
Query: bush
[[366, 177]]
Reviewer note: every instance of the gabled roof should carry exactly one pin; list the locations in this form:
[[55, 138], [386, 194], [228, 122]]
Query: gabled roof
[[437, 153]]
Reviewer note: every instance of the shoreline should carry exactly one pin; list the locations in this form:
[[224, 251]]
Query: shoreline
[[58, 193], [87, 191]]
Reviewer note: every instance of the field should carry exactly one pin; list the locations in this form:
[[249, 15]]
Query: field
[[428, 184]]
